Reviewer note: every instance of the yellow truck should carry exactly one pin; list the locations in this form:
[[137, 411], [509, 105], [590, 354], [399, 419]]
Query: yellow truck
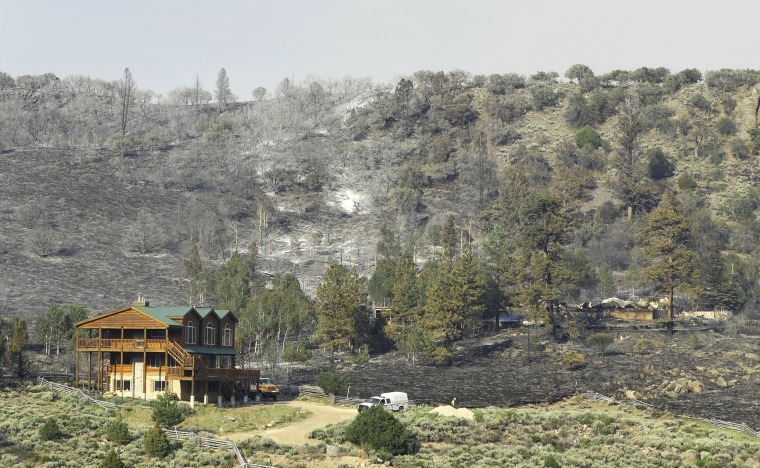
[[264, 389]]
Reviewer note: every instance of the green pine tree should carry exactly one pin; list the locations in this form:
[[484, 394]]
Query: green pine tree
[[341, 308], [666, 240], [16, 346], [156, 443], [112, 460]]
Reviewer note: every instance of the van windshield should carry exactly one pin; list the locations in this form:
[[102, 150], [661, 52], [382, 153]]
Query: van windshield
[[375, 401]]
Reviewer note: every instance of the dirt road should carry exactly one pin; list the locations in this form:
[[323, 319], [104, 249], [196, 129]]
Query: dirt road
[[297, 432]]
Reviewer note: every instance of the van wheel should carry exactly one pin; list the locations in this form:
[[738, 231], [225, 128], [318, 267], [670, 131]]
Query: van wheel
[[401, 408], [258, 396]]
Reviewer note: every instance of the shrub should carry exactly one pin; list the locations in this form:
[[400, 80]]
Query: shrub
[[660, 167], [362, 356], [686, 181], [550, 462], [587, 136], [112, 460], [166, 411], [726, 126], [118, 432], [50, 430], [377, 429], [332, 382], [601, 341], [573, 360], [296, 352], [156, 443]]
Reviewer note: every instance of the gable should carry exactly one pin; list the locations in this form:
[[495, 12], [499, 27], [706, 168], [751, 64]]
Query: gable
[[127, 318]]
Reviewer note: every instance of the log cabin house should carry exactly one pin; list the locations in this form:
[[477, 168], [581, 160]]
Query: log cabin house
[[141, 351]]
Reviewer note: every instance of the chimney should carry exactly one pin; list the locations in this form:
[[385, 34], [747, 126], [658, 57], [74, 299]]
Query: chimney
[[141, 301]]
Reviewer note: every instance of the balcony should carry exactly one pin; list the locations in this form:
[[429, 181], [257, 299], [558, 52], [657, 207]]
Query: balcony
[[109, 344]]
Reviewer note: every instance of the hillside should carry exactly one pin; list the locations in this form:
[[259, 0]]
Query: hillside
[[312, 173]]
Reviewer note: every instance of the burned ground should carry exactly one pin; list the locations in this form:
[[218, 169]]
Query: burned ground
[[496, 372]]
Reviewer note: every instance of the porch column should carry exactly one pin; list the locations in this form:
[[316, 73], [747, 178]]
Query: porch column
[[76, 359], [100, 360], [89, 371], [145, 363], [121, 361]]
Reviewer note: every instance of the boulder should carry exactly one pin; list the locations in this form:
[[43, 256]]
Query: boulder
[[721, 382], [695, 386], [689, 458], [631, 395], [752, 357]]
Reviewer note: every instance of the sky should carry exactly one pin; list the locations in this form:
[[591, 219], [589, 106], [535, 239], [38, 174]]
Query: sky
[[166, 43]]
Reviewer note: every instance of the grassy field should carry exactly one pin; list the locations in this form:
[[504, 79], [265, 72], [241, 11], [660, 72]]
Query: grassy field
[[571, 433]]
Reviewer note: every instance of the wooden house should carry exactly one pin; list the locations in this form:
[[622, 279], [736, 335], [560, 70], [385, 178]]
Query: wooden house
[[140, 351]]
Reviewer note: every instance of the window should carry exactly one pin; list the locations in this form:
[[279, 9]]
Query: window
[[227, 335], [190, 333], [209, 360], [225, 362], [155, 360], [159, 386], [127, 384], [172, 362], [210, 338]]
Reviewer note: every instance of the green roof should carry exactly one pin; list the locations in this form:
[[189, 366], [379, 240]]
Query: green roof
[[162, 314], [202, 350]]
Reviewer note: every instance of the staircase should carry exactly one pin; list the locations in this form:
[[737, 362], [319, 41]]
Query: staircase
[[183, 358], [226, 389]]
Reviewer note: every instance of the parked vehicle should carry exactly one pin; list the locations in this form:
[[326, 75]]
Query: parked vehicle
[[264, 389], [392, 401]]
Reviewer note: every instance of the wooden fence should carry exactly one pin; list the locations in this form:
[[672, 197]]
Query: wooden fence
[[713, 422], [211, 443], [76, 392]]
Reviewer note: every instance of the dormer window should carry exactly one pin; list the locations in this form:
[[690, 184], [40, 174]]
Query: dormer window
[[210, 337], [190, 333], [227, 335]]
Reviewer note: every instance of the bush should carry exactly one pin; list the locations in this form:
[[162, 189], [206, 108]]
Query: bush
[[726, 126], [166, 411], [156, 443], [50, 430], [587, 136], [332, 382], [660, 167], [118, 432], [601, 341], [112, 460], [686, 181], [296, 352], [377, 429], [573, 360]]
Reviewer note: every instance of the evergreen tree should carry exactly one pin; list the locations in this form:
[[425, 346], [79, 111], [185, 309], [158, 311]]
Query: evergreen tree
[[449, 238], [388, 246], [166, 411], [666, 240], [16, 347], [341, 308], [156, 443], [404, 318], [193, 265], [50, 430], [539, 270], [118, 432], [112, 460], [443, 316], [720, 290], [230, 284], [380, 285]]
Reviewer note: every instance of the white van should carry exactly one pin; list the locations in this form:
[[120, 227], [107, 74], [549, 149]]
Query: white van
[[393, 401]]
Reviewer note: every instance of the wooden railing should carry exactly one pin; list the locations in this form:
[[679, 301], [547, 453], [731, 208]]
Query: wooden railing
[[116, 343], [76, 392], [210, 443], [179, 354]]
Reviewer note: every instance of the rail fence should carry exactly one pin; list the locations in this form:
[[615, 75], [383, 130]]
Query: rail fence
[[713, 422], [212, 443], [76, 392]]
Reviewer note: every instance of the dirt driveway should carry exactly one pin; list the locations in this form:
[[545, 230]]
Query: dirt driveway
[[297, 432]]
